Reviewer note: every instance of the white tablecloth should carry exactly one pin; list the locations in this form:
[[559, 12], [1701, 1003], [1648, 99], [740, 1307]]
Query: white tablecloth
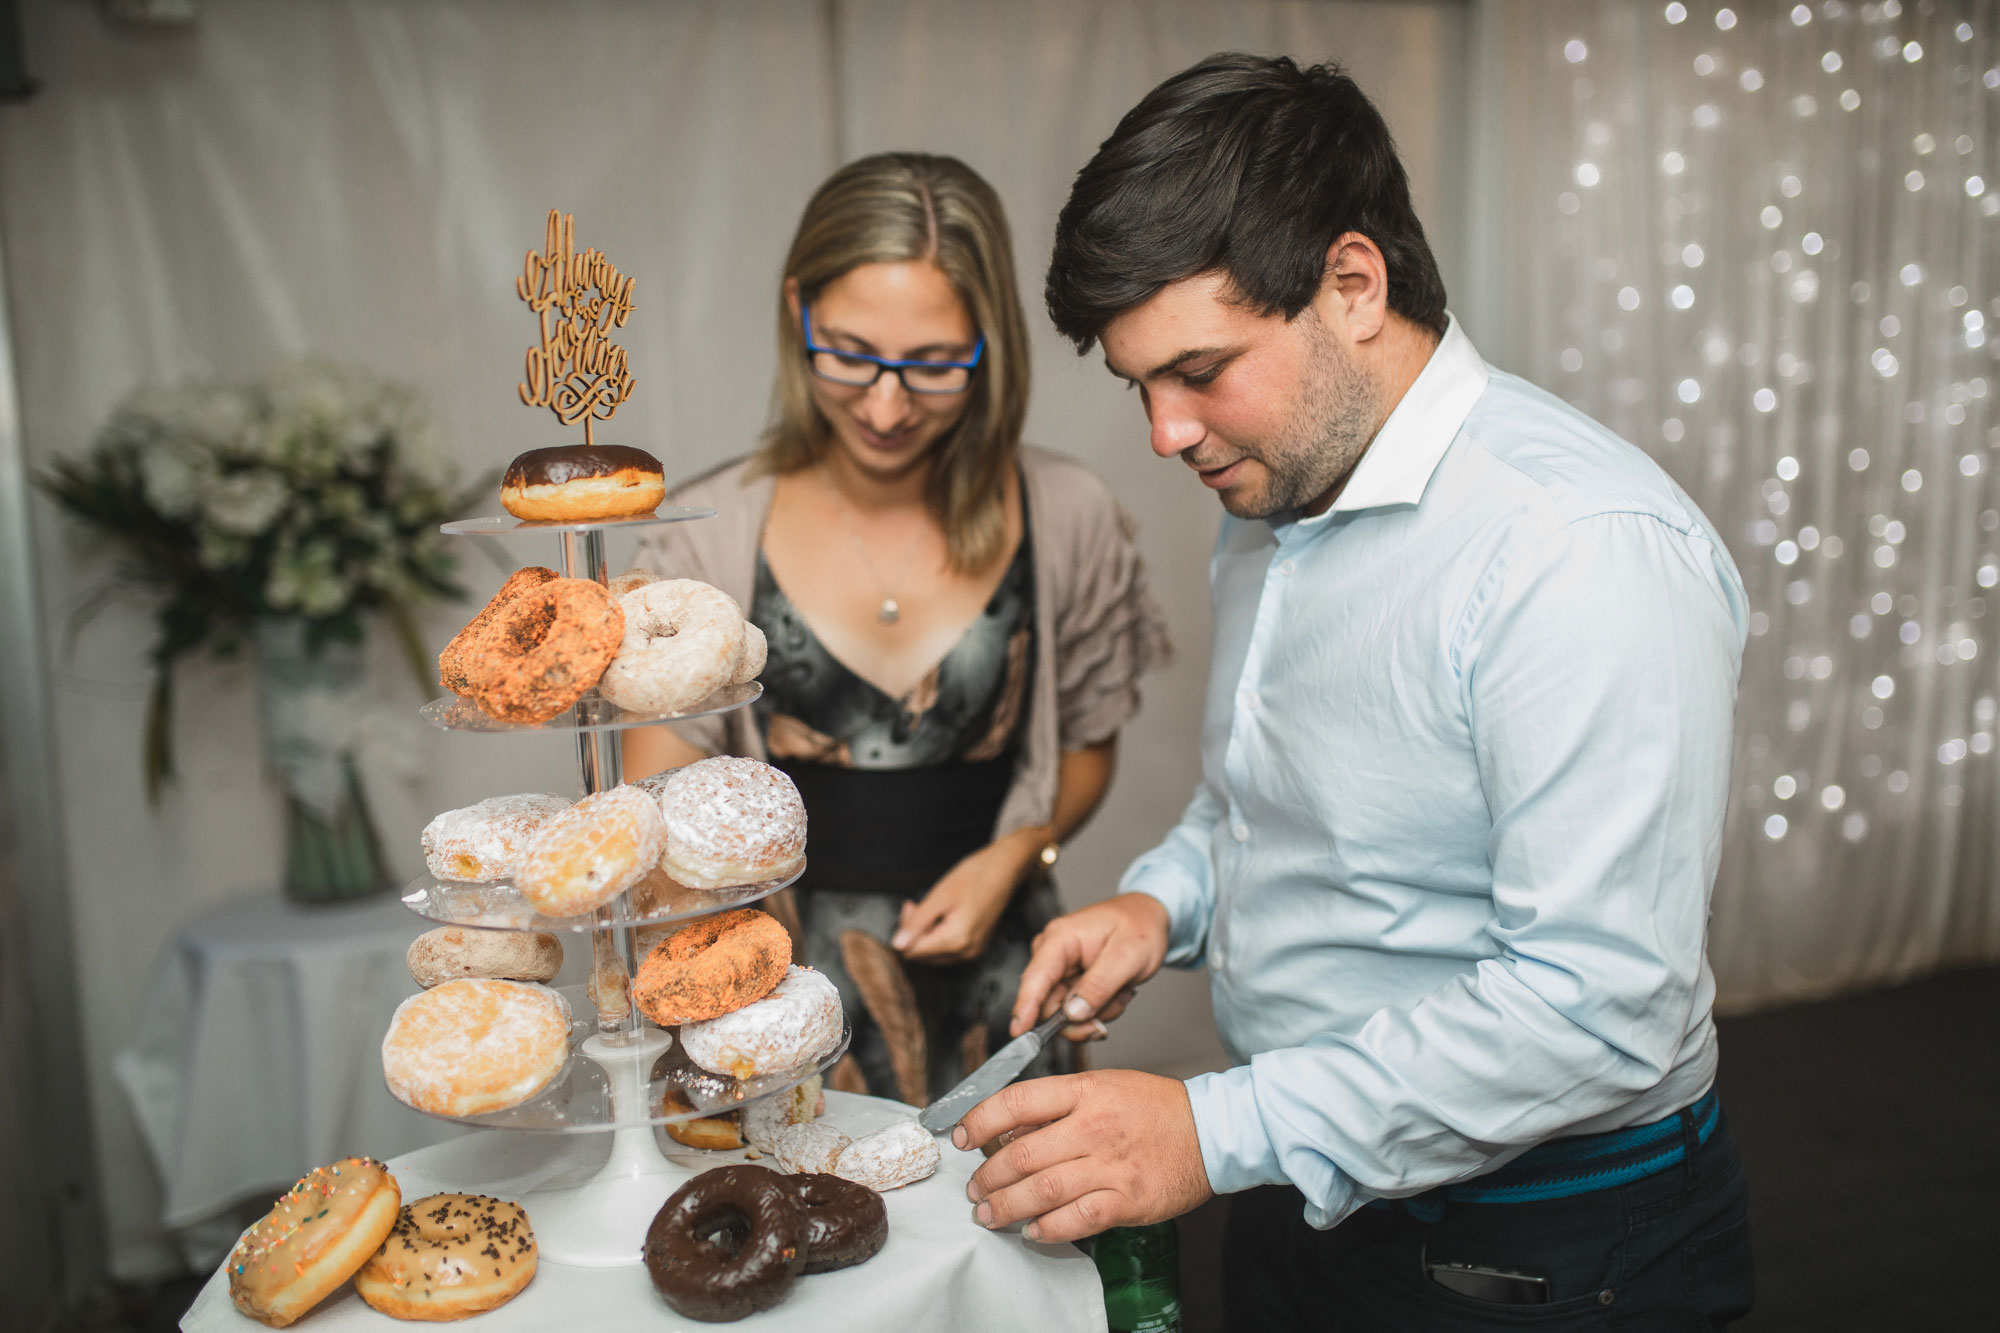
[[258, 1056], [939, 1270]]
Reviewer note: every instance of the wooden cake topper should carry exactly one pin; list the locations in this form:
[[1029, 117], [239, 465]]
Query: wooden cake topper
[[577, 372]]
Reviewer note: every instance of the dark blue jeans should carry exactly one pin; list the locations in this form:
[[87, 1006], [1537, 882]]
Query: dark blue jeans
[[1669, 1252]]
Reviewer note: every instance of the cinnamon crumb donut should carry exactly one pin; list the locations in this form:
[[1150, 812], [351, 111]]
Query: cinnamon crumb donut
[[451, 662], [469, 1047], [683, 641], [732, 821], [592, 852], [483, 842], [711, 967], [542, 649], [315, 1236]]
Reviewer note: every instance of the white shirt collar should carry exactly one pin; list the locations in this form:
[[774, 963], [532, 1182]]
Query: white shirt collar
[[1412, 442]]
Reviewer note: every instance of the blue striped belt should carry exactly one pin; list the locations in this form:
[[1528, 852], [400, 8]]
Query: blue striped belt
[[1563, 1168]]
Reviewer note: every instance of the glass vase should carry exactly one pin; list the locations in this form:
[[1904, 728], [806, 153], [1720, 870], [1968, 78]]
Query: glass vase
[[312, 702]]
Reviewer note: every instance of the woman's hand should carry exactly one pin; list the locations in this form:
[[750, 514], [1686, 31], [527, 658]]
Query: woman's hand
[[954, 922]]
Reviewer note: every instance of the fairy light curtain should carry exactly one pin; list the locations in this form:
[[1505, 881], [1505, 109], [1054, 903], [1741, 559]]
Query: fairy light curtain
[[1759, 241]]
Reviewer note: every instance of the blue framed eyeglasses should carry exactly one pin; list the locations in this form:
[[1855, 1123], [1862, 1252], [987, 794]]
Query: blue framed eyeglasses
[[858, 370]]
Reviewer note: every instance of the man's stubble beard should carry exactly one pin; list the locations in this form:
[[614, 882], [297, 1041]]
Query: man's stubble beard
[[1336, 417]]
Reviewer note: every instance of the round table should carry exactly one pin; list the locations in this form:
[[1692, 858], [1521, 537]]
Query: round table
[[939, 1269], [258, 1055]]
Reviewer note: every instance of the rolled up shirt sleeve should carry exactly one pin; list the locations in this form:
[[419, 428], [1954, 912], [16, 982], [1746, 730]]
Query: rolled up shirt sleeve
[[1598, 678]]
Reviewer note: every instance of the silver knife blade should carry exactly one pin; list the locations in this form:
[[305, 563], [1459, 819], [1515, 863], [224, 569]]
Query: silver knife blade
[[990, 1077]]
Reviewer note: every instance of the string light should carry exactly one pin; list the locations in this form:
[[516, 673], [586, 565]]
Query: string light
[[1882, 395]]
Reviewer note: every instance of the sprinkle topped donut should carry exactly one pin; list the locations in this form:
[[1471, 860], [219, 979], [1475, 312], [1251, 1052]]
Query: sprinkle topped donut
[[449, 1256], [313, 1239], [732, 821]]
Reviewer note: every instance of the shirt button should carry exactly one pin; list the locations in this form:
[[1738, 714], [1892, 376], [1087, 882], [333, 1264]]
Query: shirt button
[[1290, 566], [1240, 831], [1252, 701]]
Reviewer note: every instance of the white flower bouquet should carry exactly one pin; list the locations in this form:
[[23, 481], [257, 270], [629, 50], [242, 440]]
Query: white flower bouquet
[[312, 497]]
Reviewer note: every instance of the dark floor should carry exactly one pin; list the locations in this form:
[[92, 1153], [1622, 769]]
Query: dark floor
[[1870, 1127], [1871, 1130]]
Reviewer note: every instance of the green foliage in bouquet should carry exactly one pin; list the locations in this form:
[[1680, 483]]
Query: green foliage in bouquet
[[315, 493]]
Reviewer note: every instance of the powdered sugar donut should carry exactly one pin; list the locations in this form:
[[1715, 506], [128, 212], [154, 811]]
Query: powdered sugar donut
[[893, 1156], [449, 953], [683, 641], [795, 1106], [731, 821], [794, 1025], [629, 581], [592, 852], [484, 842], [468, 1047], [809, 1148], [755, 649]]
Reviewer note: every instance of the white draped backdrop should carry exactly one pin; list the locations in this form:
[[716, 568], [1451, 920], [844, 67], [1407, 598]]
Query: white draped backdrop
[[361, 178]]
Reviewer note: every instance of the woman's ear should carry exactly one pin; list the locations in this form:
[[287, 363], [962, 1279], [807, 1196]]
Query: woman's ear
[[792, 297]]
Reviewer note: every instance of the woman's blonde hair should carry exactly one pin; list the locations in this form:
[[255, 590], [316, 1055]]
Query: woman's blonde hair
[[890, 208]]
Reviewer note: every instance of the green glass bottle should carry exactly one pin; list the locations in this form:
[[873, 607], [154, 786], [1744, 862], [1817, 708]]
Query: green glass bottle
[[1141, 1271]]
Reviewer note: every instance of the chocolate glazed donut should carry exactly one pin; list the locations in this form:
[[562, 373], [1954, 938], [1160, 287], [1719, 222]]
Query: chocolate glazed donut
[[728, 1243], [846, 1223]]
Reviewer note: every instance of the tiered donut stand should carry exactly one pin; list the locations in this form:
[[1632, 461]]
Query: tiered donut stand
[[618, 1083]]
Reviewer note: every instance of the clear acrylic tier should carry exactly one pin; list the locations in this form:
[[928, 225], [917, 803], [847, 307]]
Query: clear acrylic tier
[[656, 900], [504, 525], [590, 713]]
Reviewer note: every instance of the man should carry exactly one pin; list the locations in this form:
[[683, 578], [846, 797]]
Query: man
[[1464, 766]]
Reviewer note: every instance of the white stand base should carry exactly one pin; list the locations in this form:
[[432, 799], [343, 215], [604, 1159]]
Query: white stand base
[[602, 1222]]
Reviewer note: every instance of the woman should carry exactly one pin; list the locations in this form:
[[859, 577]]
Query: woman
[[956, 622]]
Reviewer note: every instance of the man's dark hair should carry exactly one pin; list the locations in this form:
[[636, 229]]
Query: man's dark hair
[[1246, 164]]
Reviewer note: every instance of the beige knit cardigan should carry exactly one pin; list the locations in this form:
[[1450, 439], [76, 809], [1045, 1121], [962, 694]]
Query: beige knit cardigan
[[1097, 628]]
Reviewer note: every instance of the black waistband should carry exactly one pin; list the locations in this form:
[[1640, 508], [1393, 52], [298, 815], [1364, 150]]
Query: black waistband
[[898, 830]]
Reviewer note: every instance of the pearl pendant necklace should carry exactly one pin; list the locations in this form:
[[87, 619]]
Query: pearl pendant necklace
[[889, 612]]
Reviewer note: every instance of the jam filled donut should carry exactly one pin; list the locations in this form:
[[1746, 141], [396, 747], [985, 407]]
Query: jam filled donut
[[449, 1256], [683, 642], [592, 852], [716, 965], [728, 1243], [449, 952], [542, 649], [846, 1223], [731, 821], [484, 842], [582, 483], [313, 1239], [469, 1047], [794, 1025], [451, 662]]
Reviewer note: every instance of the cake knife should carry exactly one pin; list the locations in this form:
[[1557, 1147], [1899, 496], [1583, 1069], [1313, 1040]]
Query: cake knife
[[990, 1077]]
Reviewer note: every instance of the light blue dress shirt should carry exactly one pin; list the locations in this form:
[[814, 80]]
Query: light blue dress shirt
[[1465, 758]]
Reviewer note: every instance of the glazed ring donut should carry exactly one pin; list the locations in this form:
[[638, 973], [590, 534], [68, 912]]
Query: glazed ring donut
[[449, 1256], [451, 662], [313, 1239], [469, 1047], [707, 969], [484, 842], [683, 641], [794, 1025], [543, 649], [846, 1223], [448, 953], [731, 821], [728, 1243], [592, 852]]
